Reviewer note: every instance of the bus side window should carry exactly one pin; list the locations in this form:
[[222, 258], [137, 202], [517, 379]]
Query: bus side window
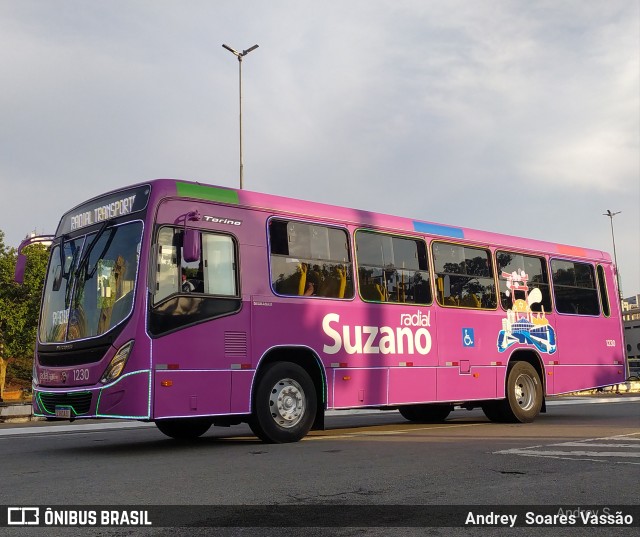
[[309, 260], [604, 295], [464, 276], [213, 273], [218, 265], [574, 287], [187, 293], [518, 276], [392, 268], [167, 276]]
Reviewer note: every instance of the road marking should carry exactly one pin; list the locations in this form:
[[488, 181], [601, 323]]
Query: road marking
[[551, 453], [324, 436], [581, 444], [628, 450]]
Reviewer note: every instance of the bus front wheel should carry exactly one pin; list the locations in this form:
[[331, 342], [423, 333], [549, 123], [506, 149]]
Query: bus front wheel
[[185, 428], [524, 396], [284, 404]]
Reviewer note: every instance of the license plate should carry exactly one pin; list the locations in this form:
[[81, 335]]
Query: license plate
[[63, 412]]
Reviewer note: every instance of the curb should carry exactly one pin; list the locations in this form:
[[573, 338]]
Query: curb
[[630, 386], [16, 412]]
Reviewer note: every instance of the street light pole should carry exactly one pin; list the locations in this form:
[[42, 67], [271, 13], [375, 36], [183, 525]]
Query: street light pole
[[615, 258], [240, 55]]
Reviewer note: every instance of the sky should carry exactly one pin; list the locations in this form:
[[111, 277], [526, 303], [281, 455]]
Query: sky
[[508, 116]]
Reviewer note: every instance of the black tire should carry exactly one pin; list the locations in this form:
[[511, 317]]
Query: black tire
[[426, 413], [284, 404], [524, 396], [185, 428], [494, 410]]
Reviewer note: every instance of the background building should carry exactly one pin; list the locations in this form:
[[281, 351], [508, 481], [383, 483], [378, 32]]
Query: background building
[[631, 318]]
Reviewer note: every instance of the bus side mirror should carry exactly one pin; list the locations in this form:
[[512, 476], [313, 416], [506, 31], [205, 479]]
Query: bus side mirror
[[21, 263], [191, 245]]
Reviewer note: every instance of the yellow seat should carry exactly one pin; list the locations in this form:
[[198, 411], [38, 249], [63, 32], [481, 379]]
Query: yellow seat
[[470, 301]]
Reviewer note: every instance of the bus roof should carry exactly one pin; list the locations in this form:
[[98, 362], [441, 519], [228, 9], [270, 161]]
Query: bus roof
[[162, 188]]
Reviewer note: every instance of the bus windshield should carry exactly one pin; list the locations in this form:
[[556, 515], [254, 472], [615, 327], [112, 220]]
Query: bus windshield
[[90, 283]]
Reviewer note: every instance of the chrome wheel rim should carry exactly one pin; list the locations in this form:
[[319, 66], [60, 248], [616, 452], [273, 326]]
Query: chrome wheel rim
[[287, 403], [525, 392]]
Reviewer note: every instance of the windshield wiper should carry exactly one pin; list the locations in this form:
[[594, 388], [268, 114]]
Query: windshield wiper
[[107, 244], [85, 256], [58, 279]]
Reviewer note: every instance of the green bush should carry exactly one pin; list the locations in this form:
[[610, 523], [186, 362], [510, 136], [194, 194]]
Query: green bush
[[19, 308]]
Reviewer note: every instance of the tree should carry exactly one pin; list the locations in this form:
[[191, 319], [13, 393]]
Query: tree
[[19, 308]]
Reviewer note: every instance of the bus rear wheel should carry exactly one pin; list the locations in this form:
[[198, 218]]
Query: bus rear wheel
[[426, 413], [284, 404], [524, 396], [185, 428]]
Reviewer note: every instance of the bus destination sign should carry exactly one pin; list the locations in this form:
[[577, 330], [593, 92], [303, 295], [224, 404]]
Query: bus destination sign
[[105, 208], [105, 212]]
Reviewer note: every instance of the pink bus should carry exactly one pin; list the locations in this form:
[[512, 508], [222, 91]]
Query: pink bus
[[191, 305]]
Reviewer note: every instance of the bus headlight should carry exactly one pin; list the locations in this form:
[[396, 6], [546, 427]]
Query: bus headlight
[[117, 363]]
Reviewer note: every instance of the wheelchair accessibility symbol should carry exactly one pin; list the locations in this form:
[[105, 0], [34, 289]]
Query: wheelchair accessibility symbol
[[468, 339]]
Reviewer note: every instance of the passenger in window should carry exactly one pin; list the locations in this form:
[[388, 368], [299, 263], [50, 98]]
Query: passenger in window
[[187, 286], [332, 282], [316, 283], [308, 283], [310, 290]]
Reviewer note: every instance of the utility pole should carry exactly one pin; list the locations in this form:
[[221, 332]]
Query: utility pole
[[615, 258], [240, 55]]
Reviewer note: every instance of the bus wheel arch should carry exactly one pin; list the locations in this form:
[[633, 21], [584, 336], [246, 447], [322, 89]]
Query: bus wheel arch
[[288, 395], [524, 390], [532, 358]]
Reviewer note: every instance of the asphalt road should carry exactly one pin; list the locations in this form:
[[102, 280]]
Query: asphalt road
[[583, 451]]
